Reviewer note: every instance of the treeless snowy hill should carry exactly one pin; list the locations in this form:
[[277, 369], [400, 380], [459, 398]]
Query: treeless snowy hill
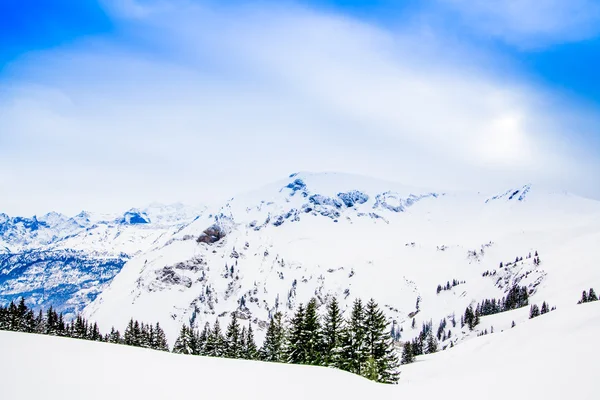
[[552, 357]]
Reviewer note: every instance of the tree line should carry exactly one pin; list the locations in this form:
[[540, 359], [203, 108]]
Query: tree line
[[20, 318], [360, 344], [516, 297]]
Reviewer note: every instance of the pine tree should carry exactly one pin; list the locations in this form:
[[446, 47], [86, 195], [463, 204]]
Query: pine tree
[[407, 354], [216, 344], [296, 348], [354, 354], [184, 342], [534, 311], [592, 295], [370, 370], [243, 344], [160, 339], [128, 338], [251, 352], [273, 347], [232, 338], [333, 328], [114, 336], [584, 298], [432, 344], [312, 334], [379, 344], [203, 340]]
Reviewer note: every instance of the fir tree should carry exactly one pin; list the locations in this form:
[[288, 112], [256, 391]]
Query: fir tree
[[251, 352], [333, 328], [312, 334], [407, 354], [203, 340], [215, 344], [379, 344], [296, 349], [370, 370], [184, 342], [534, 311], [273, 346], [592, 295], [432, 344], [353, 343], [232, 338], [160, 339]]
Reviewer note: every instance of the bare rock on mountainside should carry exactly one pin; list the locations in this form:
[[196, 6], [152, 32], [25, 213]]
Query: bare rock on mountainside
[[211, 235]]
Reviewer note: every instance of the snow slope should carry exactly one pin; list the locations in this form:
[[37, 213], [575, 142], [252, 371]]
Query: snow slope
[[350, 236], [552, 357]]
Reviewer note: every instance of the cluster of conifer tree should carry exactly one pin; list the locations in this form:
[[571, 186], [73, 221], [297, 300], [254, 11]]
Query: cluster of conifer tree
[[21, 318], [588, 297], [425, 343], [236, 342], [517, 297], [361, 344], [535, 311], [448, 285]]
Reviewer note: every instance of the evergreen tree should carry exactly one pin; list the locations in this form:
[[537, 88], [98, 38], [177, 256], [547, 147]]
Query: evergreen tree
[[407, 354], [160, 339], [333, 328], [432, 344], [379, 344], [370, 370], [534, 311], [273, 346], [311, 336], [296, 349], [470, 318], [251, 352], [354, 353], [592, 295], [216, 344], [114, 336], [203, 340], [232, 338], [184, 344], [128, 334]]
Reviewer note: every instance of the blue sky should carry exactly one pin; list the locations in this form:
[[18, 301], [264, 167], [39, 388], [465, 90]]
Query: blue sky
[[129, 97]]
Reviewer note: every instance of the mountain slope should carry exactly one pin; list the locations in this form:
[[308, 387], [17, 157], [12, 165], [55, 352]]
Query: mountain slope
[[66, 262], [550, 357], [339, 235]]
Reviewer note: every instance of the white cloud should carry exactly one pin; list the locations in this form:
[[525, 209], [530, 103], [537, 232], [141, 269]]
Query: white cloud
[[531, 23], [210, 102]]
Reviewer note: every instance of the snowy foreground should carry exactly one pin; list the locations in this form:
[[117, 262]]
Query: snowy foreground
[[554, 356]]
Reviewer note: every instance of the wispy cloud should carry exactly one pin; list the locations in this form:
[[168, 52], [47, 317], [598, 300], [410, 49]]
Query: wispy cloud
[[530, 23], [196, 103]]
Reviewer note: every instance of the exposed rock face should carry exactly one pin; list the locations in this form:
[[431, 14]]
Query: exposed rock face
[[212, 234]]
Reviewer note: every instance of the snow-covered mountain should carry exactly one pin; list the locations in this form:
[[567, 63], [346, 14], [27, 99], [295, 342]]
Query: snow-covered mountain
[[67, 261], [340, 235]]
